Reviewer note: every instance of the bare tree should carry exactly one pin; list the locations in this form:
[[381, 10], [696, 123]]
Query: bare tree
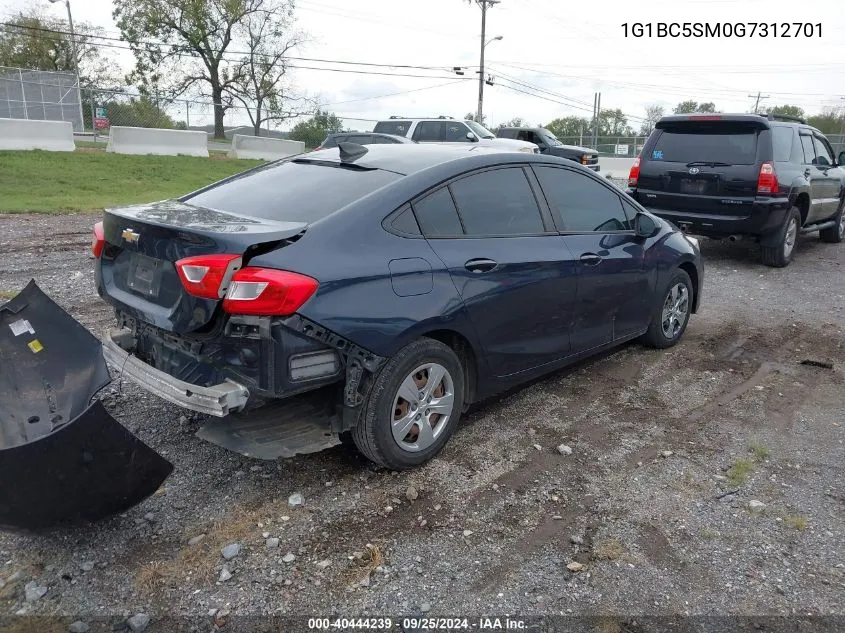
[[180, 45], [261, 80], [653, 114]]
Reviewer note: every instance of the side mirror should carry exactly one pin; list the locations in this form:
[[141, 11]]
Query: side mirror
[[841, 160], [645, 226], [471, 136]]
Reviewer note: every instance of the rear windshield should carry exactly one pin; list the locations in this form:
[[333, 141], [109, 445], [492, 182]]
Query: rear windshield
[[292, 191], [399, 128], [734, 144]]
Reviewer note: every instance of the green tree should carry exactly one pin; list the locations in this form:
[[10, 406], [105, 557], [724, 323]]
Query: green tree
[[830, 121], [653, 114], [314, 131], [568, 126], [788, 110], [687, 107], [136, 112], [181, 45], [35, 41], [614, 123]]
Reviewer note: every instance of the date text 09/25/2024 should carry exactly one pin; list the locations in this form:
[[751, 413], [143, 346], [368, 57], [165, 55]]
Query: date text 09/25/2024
[[418, 624], [717, 30]]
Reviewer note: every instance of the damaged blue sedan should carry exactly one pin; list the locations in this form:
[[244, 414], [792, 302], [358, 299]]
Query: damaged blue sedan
[[369, 294]]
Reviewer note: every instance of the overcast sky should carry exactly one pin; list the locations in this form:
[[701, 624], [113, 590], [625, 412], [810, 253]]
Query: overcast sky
[[570, 48]]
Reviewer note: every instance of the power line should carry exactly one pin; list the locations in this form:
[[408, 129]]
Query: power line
[[80, 37]]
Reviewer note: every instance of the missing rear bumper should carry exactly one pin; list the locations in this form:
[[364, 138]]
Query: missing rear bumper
[[218, 400]]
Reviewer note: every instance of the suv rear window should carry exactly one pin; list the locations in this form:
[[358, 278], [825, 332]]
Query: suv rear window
[[731, 143], [294, 191], [400, 128]]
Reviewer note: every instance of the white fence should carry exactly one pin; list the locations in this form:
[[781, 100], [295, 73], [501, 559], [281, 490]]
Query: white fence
[[144, 140], [259, 147], [40, 95], [52, 136]]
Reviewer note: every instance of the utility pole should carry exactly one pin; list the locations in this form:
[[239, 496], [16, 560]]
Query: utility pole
[[598, 122], [758, 96], [72, 34], [483, 4]]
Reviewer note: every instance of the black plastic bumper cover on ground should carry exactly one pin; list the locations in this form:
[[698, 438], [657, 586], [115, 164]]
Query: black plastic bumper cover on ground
[[61, 460]]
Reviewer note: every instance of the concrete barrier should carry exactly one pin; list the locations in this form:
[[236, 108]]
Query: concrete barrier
[[145, 140], [619, 167], [244, 146], [52, 136]]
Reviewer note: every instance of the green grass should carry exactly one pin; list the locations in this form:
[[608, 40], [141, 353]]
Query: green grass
[[738, 473], [88, 180], [759, 452]]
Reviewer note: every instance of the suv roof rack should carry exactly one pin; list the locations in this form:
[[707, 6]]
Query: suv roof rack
[[785, 117], [442, 116]]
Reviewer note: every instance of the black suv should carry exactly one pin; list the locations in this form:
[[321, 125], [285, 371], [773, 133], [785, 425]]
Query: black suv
[[766, 177], [549, 144]]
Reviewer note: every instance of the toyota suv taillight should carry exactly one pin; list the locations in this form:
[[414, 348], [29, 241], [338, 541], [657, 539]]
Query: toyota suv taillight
[[767, 181], [634, 176]]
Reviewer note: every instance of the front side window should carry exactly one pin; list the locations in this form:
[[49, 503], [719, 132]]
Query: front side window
[[581, 204], [824, 157], [456, 132], [497, 202], [808, 149]]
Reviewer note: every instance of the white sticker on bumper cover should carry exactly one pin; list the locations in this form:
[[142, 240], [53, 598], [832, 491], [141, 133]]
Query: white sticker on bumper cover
[[21, 326]]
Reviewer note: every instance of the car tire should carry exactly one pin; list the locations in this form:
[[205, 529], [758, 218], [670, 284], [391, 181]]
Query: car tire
[[671, 313], [835, 234], [423, 376], [780, 250]]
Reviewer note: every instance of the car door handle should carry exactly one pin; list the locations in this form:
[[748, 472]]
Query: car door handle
[[807, 172], [480, 265], [591, 259]]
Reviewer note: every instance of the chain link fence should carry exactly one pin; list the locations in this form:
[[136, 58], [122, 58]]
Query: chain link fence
[[40, 95]]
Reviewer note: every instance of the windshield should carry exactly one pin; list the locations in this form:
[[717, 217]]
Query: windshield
[[480, 130], [550, 138]]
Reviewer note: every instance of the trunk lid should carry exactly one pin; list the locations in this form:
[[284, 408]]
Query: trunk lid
[[702, 166], [136, 271]]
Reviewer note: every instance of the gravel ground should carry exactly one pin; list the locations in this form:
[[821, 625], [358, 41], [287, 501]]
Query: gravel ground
[[653, 509]]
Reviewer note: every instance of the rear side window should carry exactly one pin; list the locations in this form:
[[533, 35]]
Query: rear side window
[[361, 139], [437, 215], [580, 203], [498, 202], [782, 143], [400, 128], [507, 134], [294, 191], [734, 144]]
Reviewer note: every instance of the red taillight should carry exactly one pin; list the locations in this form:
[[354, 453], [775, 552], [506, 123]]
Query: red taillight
[[268, 292], [98, 240], [767, 181], [206, 276], [634, 176]]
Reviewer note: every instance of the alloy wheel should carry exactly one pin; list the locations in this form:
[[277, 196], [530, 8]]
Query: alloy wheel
[[675, 310], [790, 238], [422, 407]]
